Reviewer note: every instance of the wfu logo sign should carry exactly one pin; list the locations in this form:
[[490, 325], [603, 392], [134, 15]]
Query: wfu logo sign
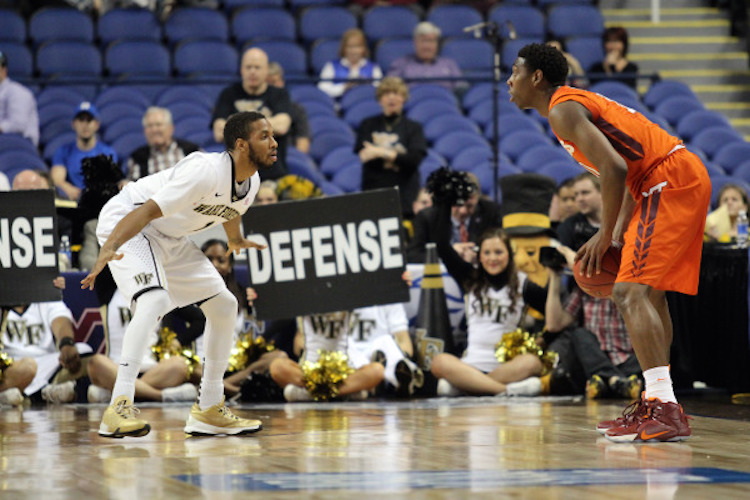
[[143, 278], [328, 254], [28, 243]]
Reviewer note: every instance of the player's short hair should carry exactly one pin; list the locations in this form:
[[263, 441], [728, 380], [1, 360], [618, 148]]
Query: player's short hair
[[567, 183], [548, 59], [239, 126], [392, 84]]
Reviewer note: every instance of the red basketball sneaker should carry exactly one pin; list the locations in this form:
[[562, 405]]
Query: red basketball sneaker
[[633, 412], [662, 422]]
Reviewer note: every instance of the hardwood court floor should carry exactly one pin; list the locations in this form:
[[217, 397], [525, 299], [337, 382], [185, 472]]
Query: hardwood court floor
[[436, 448]]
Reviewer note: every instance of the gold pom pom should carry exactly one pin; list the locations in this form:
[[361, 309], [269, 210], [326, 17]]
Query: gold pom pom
[[323, 378], [168, 346], [247, 351], [520, 342], [5, 362]]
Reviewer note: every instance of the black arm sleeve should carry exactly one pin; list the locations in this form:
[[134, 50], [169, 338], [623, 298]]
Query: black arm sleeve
[[456, 266]]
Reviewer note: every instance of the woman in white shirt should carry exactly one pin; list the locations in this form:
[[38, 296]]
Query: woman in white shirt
[[353, 64]]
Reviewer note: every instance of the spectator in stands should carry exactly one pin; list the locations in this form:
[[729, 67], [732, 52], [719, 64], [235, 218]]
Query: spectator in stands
[[563, 203], [468, 222], [162, 150], [576, 230], [66, 162], [254, 94], [721, 224], [425, 61], [353, 63], [18, 113], [299, 132], [267, 194], [576, 74], [4, 182], [391, 146], [615, 65]]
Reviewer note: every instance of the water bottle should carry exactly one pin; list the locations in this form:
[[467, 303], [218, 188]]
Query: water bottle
[[65, 255], [742, 229]]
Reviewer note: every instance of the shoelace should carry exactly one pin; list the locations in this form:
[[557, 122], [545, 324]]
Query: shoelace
[[125, 410], [225, 411]]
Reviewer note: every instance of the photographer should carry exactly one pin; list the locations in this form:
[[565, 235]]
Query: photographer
[[589, 335], [496, 298], [468, 221]]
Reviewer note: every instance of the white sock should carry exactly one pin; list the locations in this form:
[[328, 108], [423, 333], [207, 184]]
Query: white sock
[[150, 308], [221, 313], [659, 384]]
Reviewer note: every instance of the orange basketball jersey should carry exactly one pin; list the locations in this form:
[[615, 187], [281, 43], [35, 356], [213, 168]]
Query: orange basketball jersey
[[640, 142]]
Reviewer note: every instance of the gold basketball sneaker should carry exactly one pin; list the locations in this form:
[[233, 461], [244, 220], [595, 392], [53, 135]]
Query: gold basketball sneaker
[[218, 420], [119, 420]]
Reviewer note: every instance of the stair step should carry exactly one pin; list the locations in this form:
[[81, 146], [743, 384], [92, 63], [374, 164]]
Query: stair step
[[679, 24], [674, 56], [671, 40]]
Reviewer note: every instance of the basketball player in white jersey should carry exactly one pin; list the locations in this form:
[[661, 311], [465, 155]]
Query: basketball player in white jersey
[[143, 232]]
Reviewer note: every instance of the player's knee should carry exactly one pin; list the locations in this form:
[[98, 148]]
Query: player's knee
[[626, 295], [26, 371], [176, 366], [439, 365], [95, 367], [221, 305], [154, 302], [530, 364]]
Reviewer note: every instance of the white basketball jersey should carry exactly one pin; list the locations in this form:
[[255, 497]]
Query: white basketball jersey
[[326, 332], [29, 334]]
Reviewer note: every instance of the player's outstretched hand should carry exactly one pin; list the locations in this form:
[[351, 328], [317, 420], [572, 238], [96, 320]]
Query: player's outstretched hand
[[105, 255], [590, 254], [237, 245]]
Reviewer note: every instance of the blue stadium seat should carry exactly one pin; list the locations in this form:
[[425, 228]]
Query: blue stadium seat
[[510, 51], [328, 141], [538, 156], [730, 156], [187, 23], [54, 144], [128, 24], [202, 138], [291, 56], [471, 158], [13, 162], [527, 21], [389, 21], [742, 171], [336, 159], [191, 124], [718, 181], [361, 110], [430, 108], [561, 171], [12, 26], [115, 111], [20, 59], [193, 94], [51, 130], [452, 19], [309, 93], [517, 143], [59, 94], [120, 127], [206, 59], [564, 21], [122, 94], [507, 126], [481, 114], [474, 56], [440, 125], [183, 110], [349, 178], [695, 121], [674, 108], [712, 139], [325, 22], [615, 90], [16, 142], [235, 5], [297, 5], [68, 59], [60, 23], [330, 189], [390, 49], [318, 108], [478, 93], [664, 89], [300, 164], [427, 91], [57, 111], [127, 143], [323, 51], [452, 144], [357, 94], [429, 164], [256, 24], [328, 124], [587, 49], [137, 59]]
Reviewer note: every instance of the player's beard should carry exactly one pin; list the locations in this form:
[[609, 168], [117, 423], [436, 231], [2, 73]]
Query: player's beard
[[256, 159]]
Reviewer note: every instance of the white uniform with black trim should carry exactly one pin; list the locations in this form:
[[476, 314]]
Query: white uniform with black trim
[[29, 335], [373, 329], [487, 320], [327, 332], [118, 318], [194, 195]]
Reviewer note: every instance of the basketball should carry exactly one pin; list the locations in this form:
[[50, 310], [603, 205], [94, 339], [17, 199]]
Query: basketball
[[600, 285]]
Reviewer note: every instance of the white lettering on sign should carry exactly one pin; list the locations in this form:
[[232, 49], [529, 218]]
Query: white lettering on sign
[[25, 241], [334, 251]]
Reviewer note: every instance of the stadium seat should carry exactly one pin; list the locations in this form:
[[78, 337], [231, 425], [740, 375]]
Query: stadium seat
[[256, 24], [321, 52], [137, 59], [122, 94], [191, 124], [478, 93], [471, 157], [325, 22], [390, 49], [187, 23], [742, 171], [118, 128], [308, 93], [16, 142], [587, 49], [527, 21], [291, 56], [361, 110], [537, 157], [330, 189], [206, 58], [55, 111], [452, 19], [440, 125], [695, 121], [430, 108], [510, 51], [300, 164], [336, 159], [712, 139], [422, 91], [565, 21], [325, 124], [482, 113], [561, 170], [12, 27], [297, 5], [235, 5], [664, 89], [718, 181], [730, 156], [13, 162], [381, 22], [68, 59], [452, 144], [615, 90], [506, 125], [128, 24], [183, 110], [674, 108], [357, 94], [54, 144], [517, 143], [20, 59], [116, 111], [474, 56], [60, 23], [429, 164], [349, 177], [59, 94], [317, 108], [328, 141], [126, 144], [185, 93], [202, 138]]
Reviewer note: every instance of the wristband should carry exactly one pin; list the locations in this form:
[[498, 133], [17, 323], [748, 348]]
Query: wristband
[[65, 341]]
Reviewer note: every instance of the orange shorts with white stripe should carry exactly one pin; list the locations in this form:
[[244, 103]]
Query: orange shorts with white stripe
[[664, 239]]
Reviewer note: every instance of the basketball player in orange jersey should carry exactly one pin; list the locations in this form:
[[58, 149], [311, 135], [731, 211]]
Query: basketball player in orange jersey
[[659, 217]]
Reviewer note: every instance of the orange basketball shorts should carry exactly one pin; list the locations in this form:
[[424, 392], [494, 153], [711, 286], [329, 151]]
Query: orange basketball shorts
[[664, 239]]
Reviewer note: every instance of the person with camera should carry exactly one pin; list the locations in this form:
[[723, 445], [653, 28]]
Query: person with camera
[[468, 221], [496, 298]]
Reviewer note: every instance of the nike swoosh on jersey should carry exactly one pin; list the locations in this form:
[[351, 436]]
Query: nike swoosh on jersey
[[217, 195]]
